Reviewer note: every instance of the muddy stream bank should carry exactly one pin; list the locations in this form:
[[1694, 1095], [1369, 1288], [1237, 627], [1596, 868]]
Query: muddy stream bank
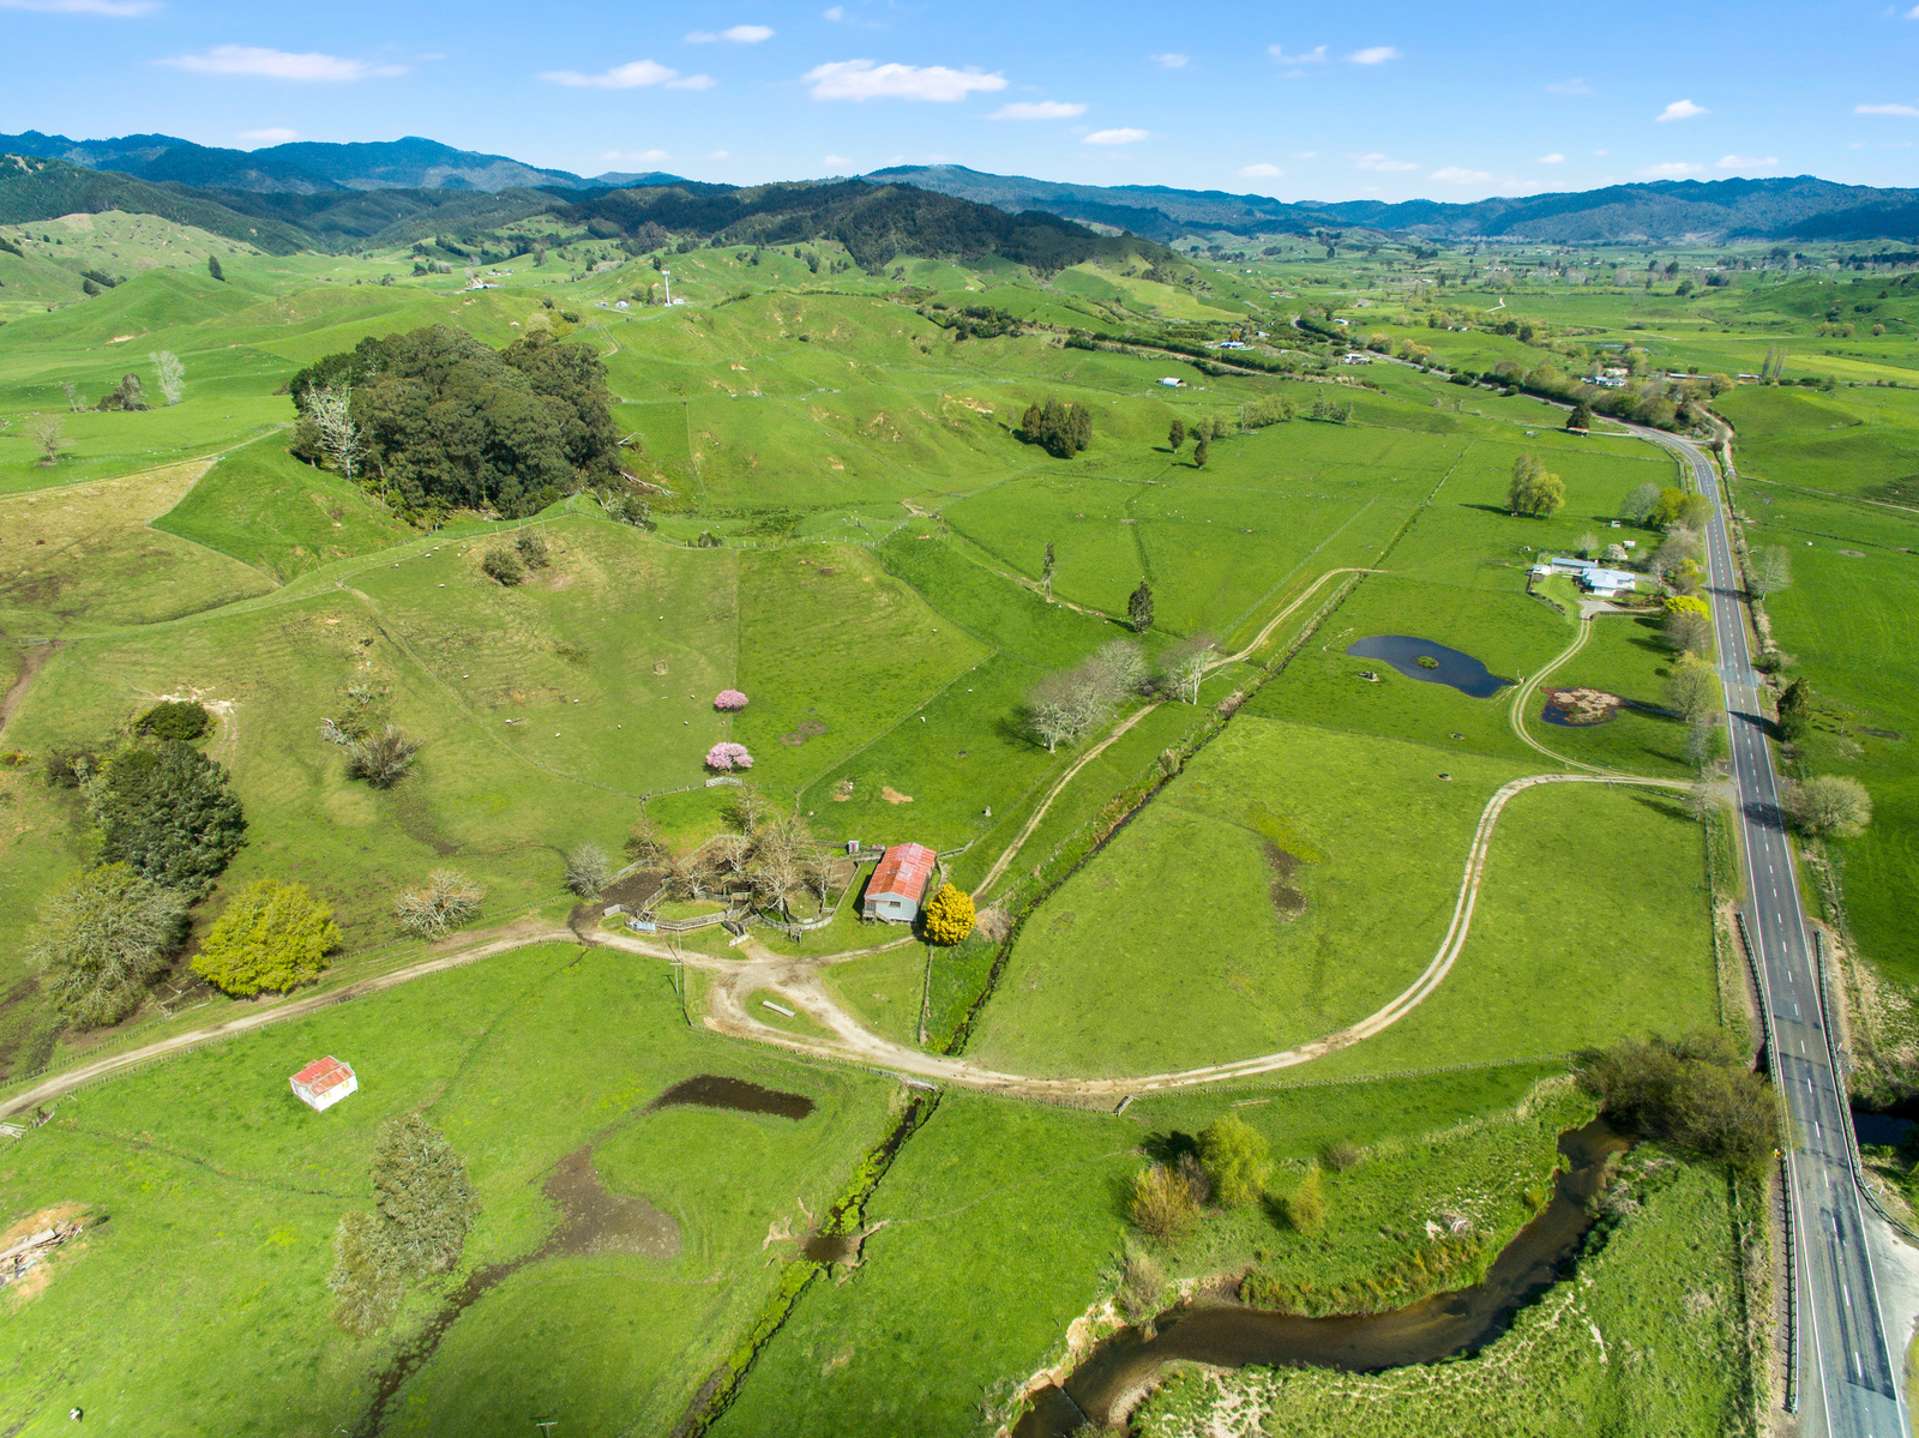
[[1219, 1330]]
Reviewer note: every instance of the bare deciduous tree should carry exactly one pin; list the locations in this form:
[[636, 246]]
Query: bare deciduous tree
[[171, 375], [588, 870], [445, 901], [1771, 571], [331, 410], [1051, 711], [48, 434], [1184, 666]]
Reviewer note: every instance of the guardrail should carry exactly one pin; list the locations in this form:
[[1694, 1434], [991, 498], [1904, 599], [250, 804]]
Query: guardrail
[[1784, 1119], [1841, 1068]]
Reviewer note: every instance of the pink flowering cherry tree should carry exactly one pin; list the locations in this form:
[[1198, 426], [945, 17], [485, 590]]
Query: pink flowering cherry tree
[[727, 756], [729, 700]]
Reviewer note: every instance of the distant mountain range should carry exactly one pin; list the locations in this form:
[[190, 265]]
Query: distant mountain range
[[1665, 211], [875, 223], [437, 176], [309, 167]]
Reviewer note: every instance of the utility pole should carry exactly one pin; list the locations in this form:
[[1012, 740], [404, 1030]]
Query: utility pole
[[667, 275]]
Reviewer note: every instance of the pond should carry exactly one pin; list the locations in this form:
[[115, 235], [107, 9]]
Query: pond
[[1226, 1333], [1444, 666]]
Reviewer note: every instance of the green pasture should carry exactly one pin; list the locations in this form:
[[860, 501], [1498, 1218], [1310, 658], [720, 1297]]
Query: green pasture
[[209, 1169]]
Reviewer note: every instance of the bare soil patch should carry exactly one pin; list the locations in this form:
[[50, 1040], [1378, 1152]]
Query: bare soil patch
[[32, 660], [893, 796], [1288, 901], [33, 1282], [806, 729]]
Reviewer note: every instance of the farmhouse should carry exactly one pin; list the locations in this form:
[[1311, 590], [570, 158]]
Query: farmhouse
[[323, 1083], [1591, 576], [1355, 357], [898, 884]]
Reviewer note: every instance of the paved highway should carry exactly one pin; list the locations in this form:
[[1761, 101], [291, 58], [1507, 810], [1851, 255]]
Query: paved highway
[[1846, 1366]]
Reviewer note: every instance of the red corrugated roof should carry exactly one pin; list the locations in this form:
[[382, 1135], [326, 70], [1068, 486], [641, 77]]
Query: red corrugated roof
[[902, 873], [323, 1074]]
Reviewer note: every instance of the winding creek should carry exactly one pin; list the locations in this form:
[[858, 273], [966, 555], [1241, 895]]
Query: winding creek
[[1222, 1332]]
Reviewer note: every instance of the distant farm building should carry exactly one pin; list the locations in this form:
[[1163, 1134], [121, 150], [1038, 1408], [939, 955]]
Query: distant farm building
[[1173, 382], [898, 885], [323, 1083], [1355, 357]]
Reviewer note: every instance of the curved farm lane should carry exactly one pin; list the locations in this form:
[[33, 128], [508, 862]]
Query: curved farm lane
[[847, 1040], [1523, 697], [496, 941], [797, 980]]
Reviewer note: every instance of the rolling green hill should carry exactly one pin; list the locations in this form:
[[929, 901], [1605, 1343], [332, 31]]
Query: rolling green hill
[[33, 189]]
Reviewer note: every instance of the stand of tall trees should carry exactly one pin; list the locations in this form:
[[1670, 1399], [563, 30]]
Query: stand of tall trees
[[434, 420], [1062, 430]]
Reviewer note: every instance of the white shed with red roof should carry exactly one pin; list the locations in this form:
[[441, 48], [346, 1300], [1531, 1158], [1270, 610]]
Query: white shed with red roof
[[323, 1083], [899, 883]]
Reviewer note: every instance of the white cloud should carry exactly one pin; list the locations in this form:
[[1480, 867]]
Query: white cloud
[[1171, 60], [1749, 162], [115, 9], [1555, 158], [720, 155], [1314, 56], [1671, 170], [1681, 110], [866, 80], [634, 75], [1124, 135], [1374, 55], [1913, 13], [1382, 164], [1574, 86], [1040, 110], [1459, 175], [1902, 112], [836, 162], [271, 135], [633, 157], [260, 62], [732, 35], [1261, 171], [833, 14]]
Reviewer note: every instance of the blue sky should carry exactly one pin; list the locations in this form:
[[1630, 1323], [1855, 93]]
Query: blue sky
[[1388, 100]]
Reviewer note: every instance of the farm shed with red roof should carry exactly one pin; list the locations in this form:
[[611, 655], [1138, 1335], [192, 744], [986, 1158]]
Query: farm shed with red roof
[[899, 883], [324, 1082]]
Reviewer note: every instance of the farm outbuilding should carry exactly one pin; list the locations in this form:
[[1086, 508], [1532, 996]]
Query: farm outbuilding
[[323, 1083], [898, 885]]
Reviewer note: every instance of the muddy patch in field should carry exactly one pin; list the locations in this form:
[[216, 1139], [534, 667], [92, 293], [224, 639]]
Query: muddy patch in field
[[719, 1091], [1289, 902], [801, 732], [636, 890], [593, 1220], [893, 796], [597, 1220]]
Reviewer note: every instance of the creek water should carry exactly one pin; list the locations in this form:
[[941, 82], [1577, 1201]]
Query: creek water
[[1454, 667], [1229, 1334]]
